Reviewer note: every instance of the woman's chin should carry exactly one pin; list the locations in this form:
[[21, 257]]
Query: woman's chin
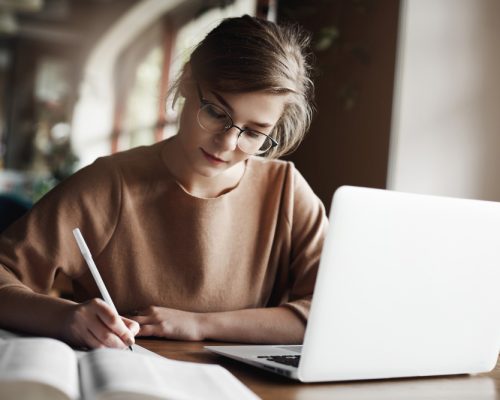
[[210, 172]]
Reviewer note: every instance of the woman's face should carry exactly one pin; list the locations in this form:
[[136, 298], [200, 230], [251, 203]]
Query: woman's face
[[211, 154]]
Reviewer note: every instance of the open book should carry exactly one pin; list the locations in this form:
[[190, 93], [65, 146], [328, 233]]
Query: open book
[[44, 368]]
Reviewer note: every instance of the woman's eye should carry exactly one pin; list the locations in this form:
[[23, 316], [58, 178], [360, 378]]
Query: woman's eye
[[214, 113], [253, 135]]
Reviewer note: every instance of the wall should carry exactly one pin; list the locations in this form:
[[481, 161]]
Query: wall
[[348, 142], [446, 122]]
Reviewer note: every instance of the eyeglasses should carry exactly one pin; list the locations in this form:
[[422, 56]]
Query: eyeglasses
[[215, 119]]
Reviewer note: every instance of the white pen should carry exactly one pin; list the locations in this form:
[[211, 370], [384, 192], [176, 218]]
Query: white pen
[[93, 269]]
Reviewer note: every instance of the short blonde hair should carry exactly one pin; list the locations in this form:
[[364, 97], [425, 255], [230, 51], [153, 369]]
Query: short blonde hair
[[247, 54]]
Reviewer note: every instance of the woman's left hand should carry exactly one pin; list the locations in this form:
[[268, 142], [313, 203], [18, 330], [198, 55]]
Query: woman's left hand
[[169, 323]]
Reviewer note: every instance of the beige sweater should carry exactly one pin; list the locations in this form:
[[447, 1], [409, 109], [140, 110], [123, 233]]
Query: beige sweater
[[155, 244]]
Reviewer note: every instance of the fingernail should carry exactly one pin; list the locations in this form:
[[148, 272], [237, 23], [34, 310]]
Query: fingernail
[[129, 341]]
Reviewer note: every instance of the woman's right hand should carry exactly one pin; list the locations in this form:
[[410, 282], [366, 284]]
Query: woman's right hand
[[94, 324]]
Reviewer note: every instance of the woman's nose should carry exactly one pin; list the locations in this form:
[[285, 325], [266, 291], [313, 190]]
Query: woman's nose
[[228, 140]]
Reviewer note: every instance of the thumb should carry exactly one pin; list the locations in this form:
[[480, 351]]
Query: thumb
[[133, 326]]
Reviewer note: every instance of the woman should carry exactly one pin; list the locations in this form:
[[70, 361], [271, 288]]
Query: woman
[[202, 236]]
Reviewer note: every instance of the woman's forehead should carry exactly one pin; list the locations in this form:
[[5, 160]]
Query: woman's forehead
[[261, 107]]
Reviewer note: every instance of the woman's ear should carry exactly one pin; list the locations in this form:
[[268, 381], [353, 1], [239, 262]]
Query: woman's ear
[[186, 81]]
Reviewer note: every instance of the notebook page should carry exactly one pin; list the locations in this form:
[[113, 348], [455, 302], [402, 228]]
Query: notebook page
[[109, 371], [42, 360]]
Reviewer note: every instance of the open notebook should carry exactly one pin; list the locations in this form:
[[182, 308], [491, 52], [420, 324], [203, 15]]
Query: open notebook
[[45, 368]]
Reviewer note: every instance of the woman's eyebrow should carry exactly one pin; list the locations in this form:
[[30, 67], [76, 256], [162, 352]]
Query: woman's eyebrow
[[260, 124], [228, 106], [222, 101]]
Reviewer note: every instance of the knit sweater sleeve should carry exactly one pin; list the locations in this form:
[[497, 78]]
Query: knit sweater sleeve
[[308, 230], [34, 248]]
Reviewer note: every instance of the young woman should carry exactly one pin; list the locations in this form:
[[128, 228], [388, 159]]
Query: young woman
[[202, 236]]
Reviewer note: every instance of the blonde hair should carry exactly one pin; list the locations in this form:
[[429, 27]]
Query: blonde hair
[[247, 54]]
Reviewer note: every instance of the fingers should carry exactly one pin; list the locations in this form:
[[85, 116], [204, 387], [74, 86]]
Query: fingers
[[149, 315], [115, 324], [132, 326], [162, 329], [95, 324], [92, 340], [148, 330], [104, 334], [153, 321], [141, 320], [169, 323]]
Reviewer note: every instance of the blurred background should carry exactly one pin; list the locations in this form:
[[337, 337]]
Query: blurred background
[[406, 90]]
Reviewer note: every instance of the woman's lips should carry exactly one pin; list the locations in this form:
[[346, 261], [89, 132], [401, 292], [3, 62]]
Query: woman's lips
[[212, 158]]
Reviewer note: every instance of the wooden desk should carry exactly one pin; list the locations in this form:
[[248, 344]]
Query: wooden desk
[[270, 386]]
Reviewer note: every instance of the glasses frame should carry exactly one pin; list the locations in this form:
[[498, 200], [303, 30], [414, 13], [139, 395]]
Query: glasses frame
[[204, 102]]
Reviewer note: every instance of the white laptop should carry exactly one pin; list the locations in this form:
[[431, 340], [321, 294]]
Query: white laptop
[[408, 285]]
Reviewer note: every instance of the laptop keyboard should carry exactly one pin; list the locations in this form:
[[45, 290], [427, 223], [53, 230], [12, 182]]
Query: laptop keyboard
[[292, 360]]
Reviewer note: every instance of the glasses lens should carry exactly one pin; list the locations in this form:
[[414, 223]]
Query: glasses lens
[[252, 142], [213, 118]]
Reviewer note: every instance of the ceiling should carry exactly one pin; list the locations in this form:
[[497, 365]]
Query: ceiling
[[57, 20]]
